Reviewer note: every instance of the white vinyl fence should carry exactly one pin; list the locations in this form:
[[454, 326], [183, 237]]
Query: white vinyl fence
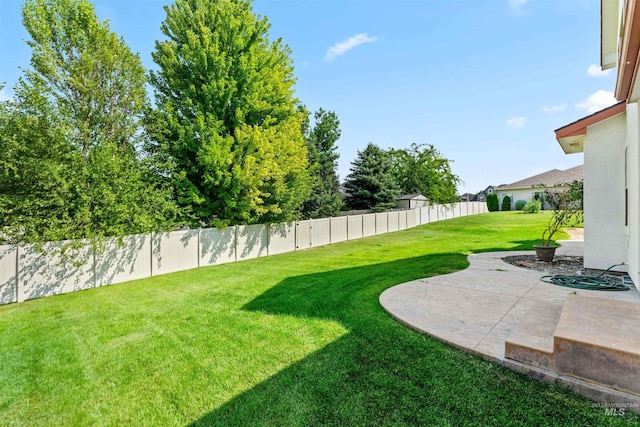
[[27, 273]]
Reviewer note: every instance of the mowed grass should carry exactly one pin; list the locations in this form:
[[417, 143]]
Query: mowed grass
[[291, 340]]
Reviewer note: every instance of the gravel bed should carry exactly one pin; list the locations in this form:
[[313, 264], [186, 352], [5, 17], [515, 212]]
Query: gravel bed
[[568, 265], [564, 265]]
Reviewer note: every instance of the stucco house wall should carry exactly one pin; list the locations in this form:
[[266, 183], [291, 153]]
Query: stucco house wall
[[632, 165], [610, 141], [525, 194], [605, 241]]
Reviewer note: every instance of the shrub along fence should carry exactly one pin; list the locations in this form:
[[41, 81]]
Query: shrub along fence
[[27, 272]]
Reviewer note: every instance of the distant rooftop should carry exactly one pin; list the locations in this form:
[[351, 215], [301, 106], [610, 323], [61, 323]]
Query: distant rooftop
[[410, 196], [548, 179]]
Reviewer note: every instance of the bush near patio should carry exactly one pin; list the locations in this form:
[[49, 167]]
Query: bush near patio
[[292, 339]]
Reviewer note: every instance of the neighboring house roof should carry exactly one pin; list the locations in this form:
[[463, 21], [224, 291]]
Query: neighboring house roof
[[411, 197], [578, 170], [546, 179], [480, 194], [492, 187]]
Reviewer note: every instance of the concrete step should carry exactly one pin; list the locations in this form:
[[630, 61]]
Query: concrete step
[[597, 339], [531, 342], [592, 340]]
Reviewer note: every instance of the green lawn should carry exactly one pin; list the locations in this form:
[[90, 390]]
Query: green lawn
[[293, 339]]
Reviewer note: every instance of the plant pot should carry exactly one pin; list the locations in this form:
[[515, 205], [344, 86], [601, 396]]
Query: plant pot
[[545, 253]]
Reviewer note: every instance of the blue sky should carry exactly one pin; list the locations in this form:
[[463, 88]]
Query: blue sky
[[485, 81]]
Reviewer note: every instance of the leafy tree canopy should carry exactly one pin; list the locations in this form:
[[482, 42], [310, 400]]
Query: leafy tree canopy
[[226, 126], [96, 83], [69, 141], [421, 169]]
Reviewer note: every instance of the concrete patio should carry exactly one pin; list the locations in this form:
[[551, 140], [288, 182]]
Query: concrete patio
[[546, 330]]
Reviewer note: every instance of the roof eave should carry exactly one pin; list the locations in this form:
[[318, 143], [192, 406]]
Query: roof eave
[[628, 62], [571, 136], [609, 21]]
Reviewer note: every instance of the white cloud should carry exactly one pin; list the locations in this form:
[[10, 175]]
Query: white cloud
[[4, 96], [597, 101], [517, 5], [554, 108], [516, 122], [596, 71], [345, 46]]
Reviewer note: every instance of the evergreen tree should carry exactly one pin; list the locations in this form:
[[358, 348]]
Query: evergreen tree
[[421, 169], [370, 183], [226, 122], [70, 140], [325, 199]]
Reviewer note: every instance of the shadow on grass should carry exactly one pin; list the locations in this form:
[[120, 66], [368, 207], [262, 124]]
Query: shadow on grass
[[518, 245], [382, 373]]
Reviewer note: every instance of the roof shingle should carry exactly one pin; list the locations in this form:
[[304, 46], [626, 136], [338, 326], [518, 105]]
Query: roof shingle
[[547, 179]]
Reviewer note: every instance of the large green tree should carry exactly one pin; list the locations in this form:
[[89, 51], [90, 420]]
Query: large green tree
[[70, 140], [371, 183], [95, 81], [36, 171], [325, 199], [421, 169], [226, 123]]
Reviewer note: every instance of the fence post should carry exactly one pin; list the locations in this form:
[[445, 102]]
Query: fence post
[[347, 227], [375, 224], [151, 253], [268, 237], [235, 243], [17, 271], [95, 279]]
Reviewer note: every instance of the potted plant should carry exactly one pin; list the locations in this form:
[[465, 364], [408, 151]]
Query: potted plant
[[566, 205]]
